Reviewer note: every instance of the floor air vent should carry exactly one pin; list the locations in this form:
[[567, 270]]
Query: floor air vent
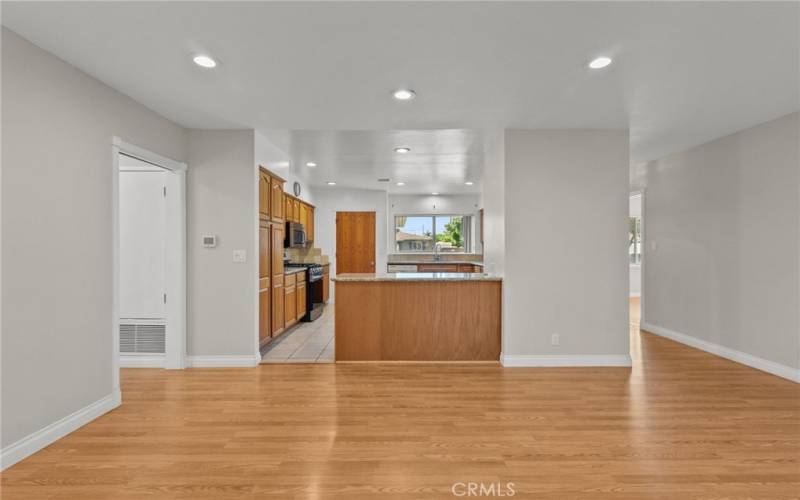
[[142, 338]]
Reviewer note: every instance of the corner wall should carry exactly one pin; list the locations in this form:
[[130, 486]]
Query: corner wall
[[722, 258], [566, 212], [57, 127]]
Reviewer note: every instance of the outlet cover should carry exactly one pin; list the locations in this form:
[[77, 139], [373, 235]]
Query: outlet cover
[[240, 255], [554, 339]]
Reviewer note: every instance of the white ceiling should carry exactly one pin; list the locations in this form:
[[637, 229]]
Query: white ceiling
[[684, 73]]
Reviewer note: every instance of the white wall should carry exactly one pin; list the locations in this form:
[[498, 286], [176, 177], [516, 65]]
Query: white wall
[[332, 200], [142, 225], [220, 197], [57, 126], [493, 204], [566, 209], [635, 288], [725, 221], [271, 157], [428, 204]]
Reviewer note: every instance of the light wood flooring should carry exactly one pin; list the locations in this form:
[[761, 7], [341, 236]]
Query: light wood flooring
[[681, 424]]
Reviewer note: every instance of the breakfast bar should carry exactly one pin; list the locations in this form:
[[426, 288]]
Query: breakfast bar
[[418, 317]]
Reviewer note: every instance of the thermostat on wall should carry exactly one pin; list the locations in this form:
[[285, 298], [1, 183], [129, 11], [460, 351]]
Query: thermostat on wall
[[210, 241]]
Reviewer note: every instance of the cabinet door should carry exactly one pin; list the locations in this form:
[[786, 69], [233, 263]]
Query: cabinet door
[[301, 299], [263, 195], [287, 208], [290, 305], [276, 245], [466, 268], [263, 250], [437, 268], [302, 218], [296, 209], [310, 224], [264, 308], [276, 200], [326, 285]]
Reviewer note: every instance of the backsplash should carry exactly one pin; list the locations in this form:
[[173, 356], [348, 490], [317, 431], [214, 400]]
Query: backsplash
[[443, 257], [310, 255]]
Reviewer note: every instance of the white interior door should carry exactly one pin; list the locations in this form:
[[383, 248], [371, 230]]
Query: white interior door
[[142, 225]]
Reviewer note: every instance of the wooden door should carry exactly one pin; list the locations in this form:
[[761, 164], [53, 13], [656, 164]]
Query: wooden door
[[276, 199], [355, 242], [264, 187], [310, 226], [301, 296], [290, 301], [276, 245], [264, 286]]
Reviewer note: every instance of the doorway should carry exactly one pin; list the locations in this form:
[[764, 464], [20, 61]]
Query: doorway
[[149, 260], [635, 255], [355, 242]]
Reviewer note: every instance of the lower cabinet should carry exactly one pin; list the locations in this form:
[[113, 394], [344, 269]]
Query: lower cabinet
[[326, 284], [264, 307], [301, 298], [290, 301], [277, 306]]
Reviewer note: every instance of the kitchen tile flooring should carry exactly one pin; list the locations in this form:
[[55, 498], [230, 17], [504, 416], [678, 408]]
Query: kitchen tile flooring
[[308, 343]]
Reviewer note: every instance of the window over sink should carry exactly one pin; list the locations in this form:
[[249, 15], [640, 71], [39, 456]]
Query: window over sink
[[433, 233]]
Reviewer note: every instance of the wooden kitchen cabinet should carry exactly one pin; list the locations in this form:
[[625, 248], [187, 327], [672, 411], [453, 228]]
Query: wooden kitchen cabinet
[[264, 188], [301, 295], [264, 315], [466, 268], [290, 300], [276, 199], [310, 223], [326, 283], [437, 268], [276, 257]]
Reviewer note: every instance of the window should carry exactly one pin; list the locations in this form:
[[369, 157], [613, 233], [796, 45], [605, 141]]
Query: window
[[432, 233], [635, 240]]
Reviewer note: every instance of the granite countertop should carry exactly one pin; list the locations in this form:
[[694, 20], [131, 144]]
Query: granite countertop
[[416, 277], [292, 270]]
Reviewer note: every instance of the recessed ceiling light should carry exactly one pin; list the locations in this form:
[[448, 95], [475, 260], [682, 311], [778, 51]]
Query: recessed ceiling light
[[435, 194], [402, 151], [401, 183], [600, 62], [204, 61], [311, 164], [469, 183], [404, 94], [331, 183]]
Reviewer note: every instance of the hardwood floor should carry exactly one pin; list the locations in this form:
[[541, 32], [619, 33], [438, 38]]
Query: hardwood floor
[[681, 424]]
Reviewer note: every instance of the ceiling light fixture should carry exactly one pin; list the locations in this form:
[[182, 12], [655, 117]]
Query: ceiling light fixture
[[331, 183], [469, 183], [600, 62], [311, 164], [401, 183], [402, 150], [435, 194], [404, 94], [205, 61]]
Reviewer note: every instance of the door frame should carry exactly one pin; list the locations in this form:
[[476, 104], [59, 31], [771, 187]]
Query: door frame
[[175, 258], [640, 193]]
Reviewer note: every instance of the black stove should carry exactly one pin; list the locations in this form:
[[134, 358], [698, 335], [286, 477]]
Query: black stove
[[314, 270]]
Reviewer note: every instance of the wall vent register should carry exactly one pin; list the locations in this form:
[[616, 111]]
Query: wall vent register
[[137, 338]]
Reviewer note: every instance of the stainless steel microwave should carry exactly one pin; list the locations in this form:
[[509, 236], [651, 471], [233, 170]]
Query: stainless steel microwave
[[295, 235]]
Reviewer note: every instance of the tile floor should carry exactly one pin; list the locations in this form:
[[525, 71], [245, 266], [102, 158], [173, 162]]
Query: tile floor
[[308, 343]]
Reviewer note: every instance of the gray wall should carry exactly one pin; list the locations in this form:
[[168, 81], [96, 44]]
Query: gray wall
[[566, 211], [493, 204], [725, 221], [57, 125], [220, 198]]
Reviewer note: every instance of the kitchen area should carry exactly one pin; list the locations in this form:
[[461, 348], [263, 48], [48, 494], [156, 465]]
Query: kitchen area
[[294, 278]]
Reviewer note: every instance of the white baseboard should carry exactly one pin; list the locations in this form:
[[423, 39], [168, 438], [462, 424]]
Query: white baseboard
[[566, 360], [762, 364], [634, 295], [34, 442], [141, 361], [224, 361]]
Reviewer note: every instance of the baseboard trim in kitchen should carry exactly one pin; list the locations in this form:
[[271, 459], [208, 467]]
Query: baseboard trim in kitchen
[[762, 364], [140, 361], [565, 360], [223, 361], [48, 435]]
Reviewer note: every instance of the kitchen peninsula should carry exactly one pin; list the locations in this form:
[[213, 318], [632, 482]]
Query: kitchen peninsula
[[418, 317]]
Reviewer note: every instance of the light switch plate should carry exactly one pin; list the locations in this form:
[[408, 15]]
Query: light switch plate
[[240, 255]]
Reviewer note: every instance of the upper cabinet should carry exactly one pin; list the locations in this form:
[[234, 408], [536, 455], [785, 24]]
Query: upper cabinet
[[297, 210], [276, 199], [264, 188]]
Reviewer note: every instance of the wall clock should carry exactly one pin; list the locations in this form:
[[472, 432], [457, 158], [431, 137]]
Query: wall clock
[[296, 188]]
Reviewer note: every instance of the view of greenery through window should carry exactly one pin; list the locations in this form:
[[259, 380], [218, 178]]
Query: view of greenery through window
[[635, 240], [417, 233]]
